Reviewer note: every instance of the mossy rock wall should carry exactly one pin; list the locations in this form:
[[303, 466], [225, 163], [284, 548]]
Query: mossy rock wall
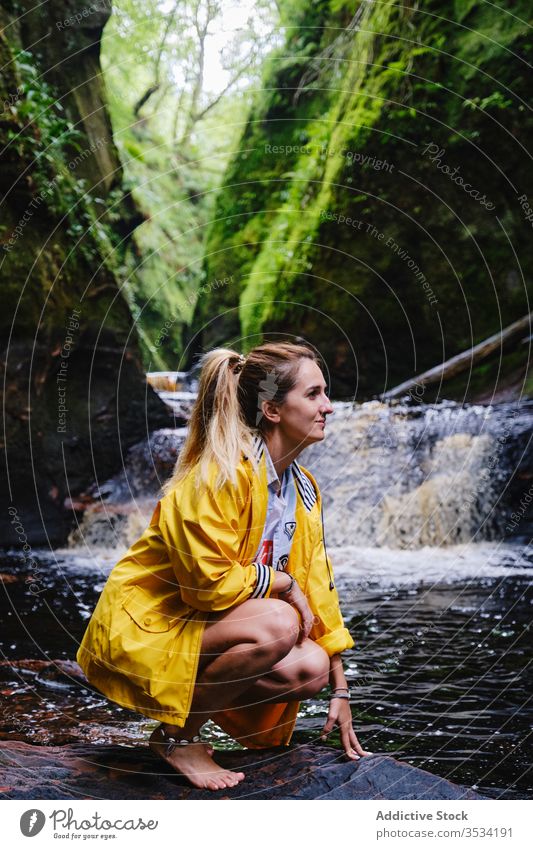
[[75, 391], [377, 203]]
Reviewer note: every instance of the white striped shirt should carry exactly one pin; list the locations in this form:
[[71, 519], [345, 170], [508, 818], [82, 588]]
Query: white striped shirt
[[280, 525]]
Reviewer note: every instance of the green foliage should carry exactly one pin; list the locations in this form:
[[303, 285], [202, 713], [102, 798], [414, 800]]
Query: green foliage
[[404, 80], [462, 8], [495, 100], [174, 162], [44, 138], [46, 131]]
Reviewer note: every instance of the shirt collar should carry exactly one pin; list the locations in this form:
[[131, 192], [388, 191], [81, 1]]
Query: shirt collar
[[303, 484], [271, 474]]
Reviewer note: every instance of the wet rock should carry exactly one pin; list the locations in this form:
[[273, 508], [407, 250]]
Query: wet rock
[[304, 772], [58, 670], [6, 578], [147, 465], [117, 511]]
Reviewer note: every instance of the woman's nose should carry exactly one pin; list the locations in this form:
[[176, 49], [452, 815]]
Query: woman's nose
[[327, 406]]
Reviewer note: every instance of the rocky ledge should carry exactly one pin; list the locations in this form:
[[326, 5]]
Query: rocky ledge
[[300, 772]]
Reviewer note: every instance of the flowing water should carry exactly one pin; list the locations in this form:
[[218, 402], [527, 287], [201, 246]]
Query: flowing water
[[428, 525]]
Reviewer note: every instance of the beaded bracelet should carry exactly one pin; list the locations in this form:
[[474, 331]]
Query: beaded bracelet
[[339, 696]]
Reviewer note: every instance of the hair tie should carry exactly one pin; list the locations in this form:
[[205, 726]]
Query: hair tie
[[240, 364]]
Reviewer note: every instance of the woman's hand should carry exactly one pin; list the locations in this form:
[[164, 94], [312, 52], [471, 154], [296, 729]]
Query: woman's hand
[[299, 601], [341, 715]]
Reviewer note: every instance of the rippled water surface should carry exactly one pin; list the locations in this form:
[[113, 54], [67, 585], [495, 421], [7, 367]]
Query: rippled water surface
[[442, 677], [441, 672]]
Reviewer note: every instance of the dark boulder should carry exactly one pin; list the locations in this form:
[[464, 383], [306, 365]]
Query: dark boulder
[[298, 772]]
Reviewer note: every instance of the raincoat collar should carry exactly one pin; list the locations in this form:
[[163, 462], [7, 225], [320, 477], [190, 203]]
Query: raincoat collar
[[303, 484]]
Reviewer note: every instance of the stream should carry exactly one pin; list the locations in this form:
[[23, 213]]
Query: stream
[[433, 572]]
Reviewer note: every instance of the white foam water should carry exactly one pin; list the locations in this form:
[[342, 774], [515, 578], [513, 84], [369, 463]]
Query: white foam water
[[369, 567], [393, 478]]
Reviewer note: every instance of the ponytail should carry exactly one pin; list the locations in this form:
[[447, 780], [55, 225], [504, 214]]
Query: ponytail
[[226, 416], [217, 430]]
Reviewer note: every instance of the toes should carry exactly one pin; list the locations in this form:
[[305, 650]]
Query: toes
[[221, 782], [217, 781], [234, 777]]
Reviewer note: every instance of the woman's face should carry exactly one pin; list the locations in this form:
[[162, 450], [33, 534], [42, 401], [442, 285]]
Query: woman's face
[[302, 415]]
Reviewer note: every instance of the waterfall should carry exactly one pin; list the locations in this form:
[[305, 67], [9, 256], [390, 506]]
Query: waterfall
[[392, 476], [432, 475]]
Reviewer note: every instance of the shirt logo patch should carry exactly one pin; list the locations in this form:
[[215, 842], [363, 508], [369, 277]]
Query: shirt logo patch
[[282, 562], [290, 527]]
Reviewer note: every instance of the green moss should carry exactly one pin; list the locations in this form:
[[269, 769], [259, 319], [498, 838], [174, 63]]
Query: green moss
[[313, 172], [405, 80]]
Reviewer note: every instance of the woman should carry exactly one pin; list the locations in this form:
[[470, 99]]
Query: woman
[[225, 608]]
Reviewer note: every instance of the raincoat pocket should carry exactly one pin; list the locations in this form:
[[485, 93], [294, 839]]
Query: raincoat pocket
[[141, 642], [139, 604]]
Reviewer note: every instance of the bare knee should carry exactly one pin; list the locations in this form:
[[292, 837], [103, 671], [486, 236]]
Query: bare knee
[[270, 626], [278, 627], [312, 672]]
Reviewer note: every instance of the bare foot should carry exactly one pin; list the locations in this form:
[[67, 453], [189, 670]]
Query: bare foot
[[195, 763]]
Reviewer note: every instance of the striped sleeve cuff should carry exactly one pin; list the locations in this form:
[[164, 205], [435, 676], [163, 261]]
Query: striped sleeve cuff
[[263, 582]]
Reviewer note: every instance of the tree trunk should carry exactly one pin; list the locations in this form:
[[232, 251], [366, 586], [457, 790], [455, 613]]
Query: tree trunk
[[461, 362]]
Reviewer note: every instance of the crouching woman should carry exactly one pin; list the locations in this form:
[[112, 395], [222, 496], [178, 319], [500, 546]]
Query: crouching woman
[[226, 608]]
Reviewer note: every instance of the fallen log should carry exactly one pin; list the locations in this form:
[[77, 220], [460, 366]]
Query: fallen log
[[461, 362]]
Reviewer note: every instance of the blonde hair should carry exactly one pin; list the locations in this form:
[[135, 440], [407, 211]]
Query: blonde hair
[[227, 414]]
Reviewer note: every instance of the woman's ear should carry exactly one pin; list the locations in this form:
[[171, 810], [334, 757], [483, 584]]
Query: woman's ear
[[270, 410]]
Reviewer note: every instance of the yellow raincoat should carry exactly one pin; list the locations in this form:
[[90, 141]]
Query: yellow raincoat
[[141, 647]]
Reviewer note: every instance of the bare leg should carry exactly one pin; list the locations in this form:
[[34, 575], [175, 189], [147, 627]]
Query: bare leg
[[300, 675], [238, 647]]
